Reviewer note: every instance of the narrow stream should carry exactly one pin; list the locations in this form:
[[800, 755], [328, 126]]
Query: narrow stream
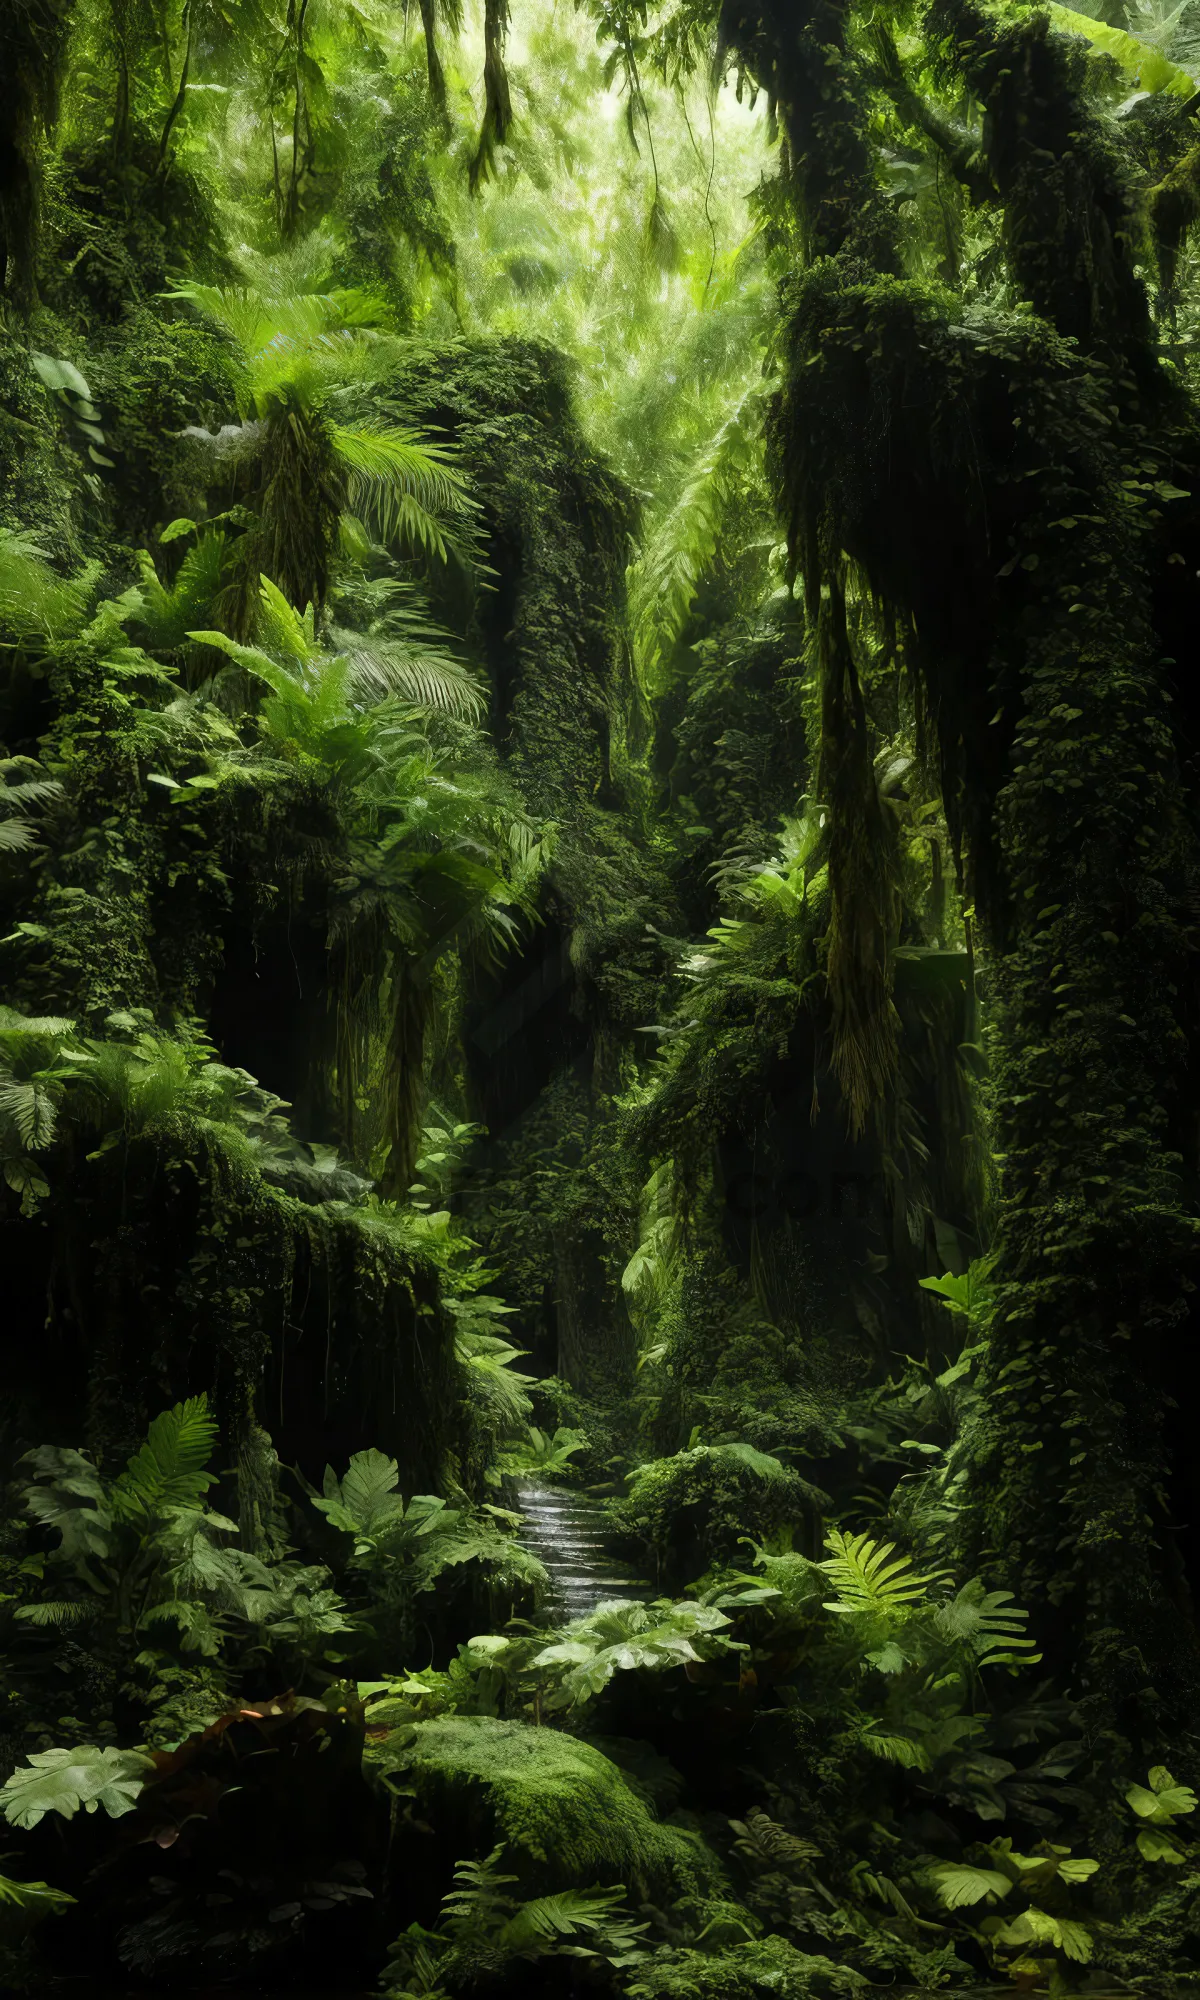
[[567, 1532]]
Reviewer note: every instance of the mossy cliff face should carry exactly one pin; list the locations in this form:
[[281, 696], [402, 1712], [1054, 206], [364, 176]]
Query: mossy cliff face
[[1042, 674]]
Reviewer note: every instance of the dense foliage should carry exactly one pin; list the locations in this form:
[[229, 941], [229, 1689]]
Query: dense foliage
[[599, 840]]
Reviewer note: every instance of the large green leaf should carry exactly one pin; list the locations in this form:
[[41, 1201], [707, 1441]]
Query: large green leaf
[[1150, 70], [1040, 1927], [959, 1885], [71, 1499], [1161, 1799], [63, 1780], [624, 1636], [169, 1469], [366, 1500]]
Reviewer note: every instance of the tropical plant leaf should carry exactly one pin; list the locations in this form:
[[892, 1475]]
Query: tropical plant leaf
[[1161, 1799], [478, 1900], [1036, 1927], [541, 1923], [66, 1611], [36, 1899], [63, 1780], [366, 1500], [72, 1499], [17, 836], [871, 1578], [893, 1748], [422, 678], [664, 579], [990, 1624], [168, 1470], [1149, 68], [959, 1885], [769, 1846], [406, 483], [28, 1103]]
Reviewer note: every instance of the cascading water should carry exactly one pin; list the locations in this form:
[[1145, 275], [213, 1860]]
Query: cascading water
[[568, 1533]]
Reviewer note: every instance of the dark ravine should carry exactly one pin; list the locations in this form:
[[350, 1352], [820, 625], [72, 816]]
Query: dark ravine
[[567, 1532]]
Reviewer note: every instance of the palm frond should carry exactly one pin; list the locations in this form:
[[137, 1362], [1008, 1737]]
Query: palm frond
[[17, 836], [664, 580], [264, 324], [406, 483], [383, 668]]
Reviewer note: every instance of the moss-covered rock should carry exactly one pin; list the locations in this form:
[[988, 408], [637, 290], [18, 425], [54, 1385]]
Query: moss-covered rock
[[565, 1814]]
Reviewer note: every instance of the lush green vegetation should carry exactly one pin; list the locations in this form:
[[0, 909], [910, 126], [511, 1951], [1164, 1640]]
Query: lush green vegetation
[[599, 829]]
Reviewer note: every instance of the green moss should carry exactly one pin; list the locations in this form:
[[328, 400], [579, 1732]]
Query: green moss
[[565, 1813], [768, 1967]]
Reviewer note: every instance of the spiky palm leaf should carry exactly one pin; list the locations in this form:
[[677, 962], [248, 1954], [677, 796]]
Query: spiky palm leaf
[[424, 678], [404, 482], [277, 332], [664, 580]]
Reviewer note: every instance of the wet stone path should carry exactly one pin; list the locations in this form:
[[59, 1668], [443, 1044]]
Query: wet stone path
[[568, 1533]]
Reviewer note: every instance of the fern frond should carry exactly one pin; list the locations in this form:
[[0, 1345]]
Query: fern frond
[[478, 1900], [69, 1611], [870, 1577], [35, 603], [168, 610], [17, 836], [30, 1107], [407, 483], [664, 580], [990, 1624], [767, 1845], [383, 668], [545, 1919], [168, 1470]]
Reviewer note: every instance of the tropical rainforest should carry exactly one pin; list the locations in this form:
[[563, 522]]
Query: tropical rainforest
[[600, 1046]]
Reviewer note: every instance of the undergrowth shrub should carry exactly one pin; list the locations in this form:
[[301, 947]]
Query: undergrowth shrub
[[693, 1510]]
